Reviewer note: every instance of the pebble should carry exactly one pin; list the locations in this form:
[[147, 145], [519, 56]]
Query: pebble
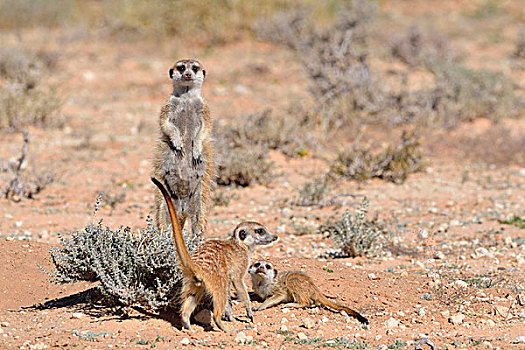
[[285, 310], [38, 346], [519, 340], [456, 319], [302, 336], [77, 315], [460, 284], [186, 341], [372, 276], [308, 323], [445, 313], [439, 255], [284, 320], [422, 234], [324, 319], [4, 324], [502, 311], [283, 328], [391, 323]]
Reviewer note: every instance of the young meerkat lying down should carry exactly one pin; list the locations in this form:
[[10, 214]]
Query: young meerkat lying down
[[293, 287]]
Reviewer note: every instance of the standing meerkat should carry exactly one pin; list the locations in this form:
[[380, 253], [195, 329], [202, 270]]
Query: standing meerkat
[[183, 159], [293, 287], [215, 265]]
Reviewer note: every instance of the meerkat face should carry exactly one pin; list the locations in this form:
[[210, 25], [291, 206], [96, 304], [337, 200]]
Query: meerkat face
[[263, 268], [252, 234], [187, 73]]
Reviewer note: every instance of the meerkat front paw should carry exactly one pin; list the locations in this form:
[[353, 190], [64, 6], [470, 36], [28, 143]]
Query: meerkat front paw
[[177, 149]]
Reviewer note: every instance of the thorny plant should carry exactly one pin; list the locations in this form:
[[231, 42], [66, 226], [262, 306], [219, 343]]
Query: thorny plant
[[21, 185], [133, 269], [355, 235]]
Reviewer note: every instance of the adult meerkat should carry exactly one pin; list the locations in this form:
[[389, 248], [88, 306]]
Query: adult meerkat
[[183, 158], [215, 265], [293, 287]]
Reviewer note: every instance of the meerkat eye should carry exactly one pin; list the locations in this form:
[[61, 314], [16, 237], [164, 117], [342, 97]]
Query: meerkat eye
[[180, 69], [268, 267], [195, 68], [256, 264], [259, 231]]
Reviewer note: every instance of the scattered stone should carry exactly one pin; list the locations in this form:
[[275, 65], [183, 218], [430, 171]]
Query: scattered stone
[[445, 313], [77, 315], [186, 341], [4, 324], [324, 319], [38, 346], [487, 344], [302, 336], [422, 234], [283, 328], [241, 337], [382, 347], [285, 310], [455, 222], [19, 223], [460, 284], [439, 255], [501, 310], [284, 320], [308, 323], [519, 340], [391, 323], [456, 319], [372, 276], [490, 323]]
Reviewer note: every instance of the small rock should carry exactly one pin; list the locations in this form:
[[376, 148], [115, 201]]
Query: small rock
[[302, 336], [77, 315], [284, 320], [445, 313], [501, 311], [19, 223], [519, 340], [38, 346], [460, 284], [185, 341], [283, 328], [454, 222], [4, 324], [391, 323], [324, 319], [456, 319], [308, 323], [382, 347], [439, 255], [487, 344], [372, 276], [490, 323], [285, 310], [241, 337], [422, 234]]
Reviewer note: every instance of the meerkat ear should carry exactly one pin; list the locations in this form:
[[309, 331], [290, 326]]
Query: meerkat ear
[[242, 235], [204, 72], [171, 73], [275, 272]]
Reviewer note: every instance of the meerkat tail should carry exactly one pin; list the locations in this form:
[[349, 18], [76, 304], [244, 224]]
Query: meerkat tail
[[188, 267], [327, 302]]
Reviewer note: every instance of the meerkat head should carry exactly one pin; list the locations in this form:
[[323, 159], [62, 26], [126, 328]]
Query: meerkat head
[[187, 74], [252, 234], [263, 269]]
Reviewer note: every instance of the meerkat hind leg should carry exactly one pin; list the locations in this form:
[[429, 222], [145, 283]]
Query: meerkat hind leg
[[219, 304], [188, 306]]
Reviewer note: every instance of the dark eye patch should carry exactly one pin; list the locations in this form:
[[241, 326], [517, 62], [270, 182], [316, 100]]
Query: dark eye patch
[[259, 231], [256, 264], [268, 267], [242, 234], [181, 68], [195, 68]]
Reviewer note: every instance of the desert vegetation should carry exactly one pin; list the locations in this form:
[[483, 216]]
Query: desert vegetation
[[382, 141]]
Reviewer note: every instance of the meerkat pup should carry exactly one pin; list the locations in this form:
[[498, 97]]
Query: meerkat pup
[[183, 159], [293, 287], [215, 265]]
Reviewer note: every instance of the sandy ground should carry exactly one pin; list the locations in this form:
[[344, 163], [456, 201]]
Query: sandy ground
[[454, 275]]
